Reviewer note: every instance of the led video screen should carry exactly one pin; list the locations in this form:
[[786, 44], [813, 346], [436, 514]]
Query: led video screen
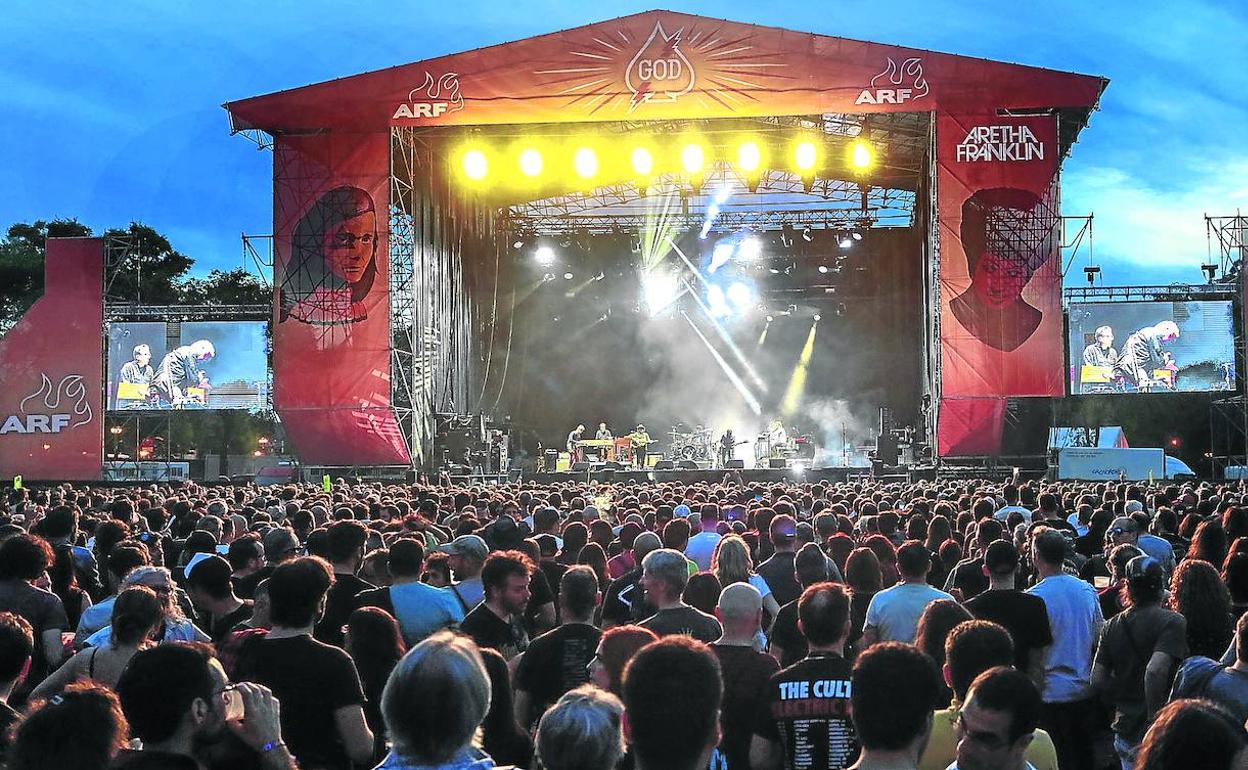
[[200, 365], [1152, 347]]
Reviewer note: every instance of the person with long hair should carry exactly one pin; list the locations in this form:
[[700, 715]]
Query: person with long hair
[[1189, 733], [81, 728], [886, 555], [616, 648], [174, 626], [935, 624], [373, 640], [595, 557], [938, 530], [1235, 577], [1198, 594], [731, 563], [1209, 543], [137, 613], [63, 577], [575, 537], [864, 578]]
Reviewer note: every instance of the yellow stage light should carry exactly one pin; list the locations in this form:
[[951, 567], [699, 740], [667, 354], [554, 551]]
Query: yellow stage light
[[692, 158], [475, 164], [805, 155], [585, 161], [749, 157], [530, 162], [642, 160], [861, 155]]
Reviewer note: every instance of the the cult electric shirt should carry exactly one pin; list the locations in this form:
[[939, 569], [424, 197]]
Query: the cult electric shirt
[[807, 711]]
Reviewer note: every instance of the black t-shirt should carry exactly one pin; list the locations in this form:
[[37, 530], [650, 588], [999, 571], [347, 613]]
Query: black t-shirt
[[556, 662], [786, 635], [489, 630], [1128, 641], [245, 587], [7, 718], [311, 680], [807, 712], [222, 626], [44, 611], [746, 675], [1022, 614], [684, 620], [339, 604], [625, 601], [540, 594], [130, 759], [969, 577], [778, 572]]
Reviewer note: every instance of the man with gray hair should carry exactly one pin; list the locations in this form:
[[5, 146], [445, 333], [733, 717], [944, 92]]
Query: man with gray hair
[[664, 575], [582, 731], [626, 601], [740, 610]]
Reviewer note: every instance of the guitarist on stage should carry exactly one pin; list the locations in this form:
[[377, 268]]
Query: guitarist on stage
[[727, 447]]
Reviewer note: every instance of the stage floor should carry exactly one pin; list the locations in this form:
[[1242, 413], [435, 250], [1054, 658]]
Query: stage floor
[[688, 476]]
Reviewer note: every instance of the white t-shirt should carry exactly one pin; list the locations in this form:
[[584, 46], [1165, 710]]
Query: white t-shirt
[[895, 612]]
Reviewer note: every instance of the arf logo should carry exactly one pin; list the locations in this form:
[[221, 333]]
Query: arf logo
[[896, 84], [660, 71], [433, 99], [55, 408]]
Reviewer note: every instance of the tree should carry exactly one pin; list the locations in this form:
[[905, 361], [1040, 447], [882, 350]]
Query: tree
[[21, 264], [235, 287], [149, 271]]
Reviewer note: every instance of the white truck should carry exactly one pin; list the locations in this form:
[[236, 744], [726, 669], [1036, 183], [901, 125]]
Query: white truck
[[1112, 464]]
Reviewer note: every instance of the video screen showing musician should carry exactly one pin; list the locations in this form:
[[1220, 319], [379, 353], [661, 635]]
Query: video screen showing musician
[[1101, 352], [1007, 235], [138, 371], [604, 433], [1142, 358], [180, 381], [333, 260]]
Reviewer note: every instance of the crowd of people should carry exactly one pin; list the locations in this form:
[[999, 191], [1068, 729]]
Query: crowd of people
[[975, 625]]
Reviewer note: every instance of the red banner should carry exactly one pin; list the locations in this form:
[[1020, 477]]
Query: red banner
[[970, 427], [51, 371], [331, 332], [660, 65]]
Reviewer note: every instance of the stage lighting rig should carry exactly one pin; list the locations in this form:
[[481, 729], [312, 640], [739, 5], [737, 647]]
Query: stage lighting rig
[[530, 162], [475, 165], [1211, 271], [585, 163], [861, 155], [1091, 272], [544, 255]]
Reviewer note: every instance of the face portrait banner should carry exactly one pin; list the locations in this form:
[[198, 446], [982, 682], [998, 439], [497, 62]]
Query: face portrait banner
[[331, 330]]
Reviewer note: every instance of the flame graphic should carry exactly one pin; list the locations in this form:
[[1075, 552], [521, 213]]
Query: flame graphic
[[432, 89], [896, 76], [70, 387]]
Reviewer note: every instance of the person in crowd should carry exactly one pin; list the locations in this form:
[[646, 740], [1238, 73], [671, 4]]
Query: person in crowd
[[17, 646], [346, 554], [1070, 706], [1113, 597], [998, 721], [938, 619], [467, 558], [420, 609], [175, 626], [778, 570], [786, 642], [1199, 595], [1137, 654], [318, 684], [731, 563], [1010, 496], [1022, 614], [557, 661], [582, 731], [1190, 734], [137, 614], [211, 591], [702, 592], [433, 706], [746, 670], [968, 578], [1224, 682], [673, 689], [704, 543], [895, 688], [373, 641], [246, 557], [497, 622], [625, 601], [865, 579], [61, 528], [616, 648], [665, 574], [23, 560], [122, 558], [893, 615], [88, 712], [178, 701], [820, 728]]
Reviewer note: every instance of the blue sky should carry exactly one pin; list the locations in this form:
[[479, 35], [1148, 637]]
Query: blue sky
[[112, 109]]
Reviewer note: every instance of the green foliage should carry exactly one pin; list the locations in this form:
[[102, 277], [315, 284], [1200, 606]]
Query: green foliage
[[150, 270], [234, 287]]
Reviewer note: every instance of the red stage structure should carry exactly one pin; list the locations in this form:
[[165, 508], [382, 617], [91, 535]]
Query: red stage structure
[[993, 316]]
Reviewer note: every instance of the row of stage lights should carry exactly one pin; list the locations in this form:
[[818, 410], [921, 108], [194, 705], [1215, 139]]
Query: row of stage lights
[[589, 162]]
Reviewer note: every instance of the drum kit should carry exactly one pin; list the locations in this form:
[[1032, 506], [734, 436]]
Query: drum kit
[[696, 445]]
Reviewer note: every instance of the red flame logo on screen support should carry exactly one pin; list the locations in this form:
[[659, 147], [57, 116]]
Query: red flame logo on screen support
[[660, 71]]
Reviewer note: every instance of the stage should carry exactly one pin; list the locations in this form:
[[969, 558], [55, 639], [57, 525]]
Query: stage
[[689, 476]]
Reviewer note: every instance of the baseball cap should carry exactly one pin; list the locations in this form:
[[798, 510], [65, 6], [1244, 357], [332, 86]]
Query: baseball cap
[[467, 545], [783, 529], [1123, 524], [1145, 569], [1001, 558]]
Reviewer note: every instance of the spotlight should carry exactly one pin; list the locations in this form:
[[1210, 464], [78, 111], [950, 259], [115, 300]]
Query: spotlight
[[1091, 272], [1211, 271], [770, 319], [805, 156], [799, 469], [861, 156], [659, 289], [844, 241], [823, 268], [857, 236], [720, 255], [642, 160], [568, 276], [749, 157], [530, 162], [692, 158], [517, 244], [751, 249], [544, 255], [585, 161], [740, 295], [475, 165], [818, 317], [807, 235]]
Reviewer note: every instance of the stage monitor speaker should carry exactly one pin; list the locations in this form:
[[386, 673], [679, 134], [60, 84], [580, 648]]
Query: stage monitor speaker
[[580, 467], [613, 466], [688, 465], [663, 465], [777, 462], [735, 465]]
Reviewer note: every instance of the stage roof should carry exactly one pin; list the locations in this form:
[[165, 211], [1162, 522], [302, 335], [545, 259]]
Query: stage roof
[[663, 65]]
